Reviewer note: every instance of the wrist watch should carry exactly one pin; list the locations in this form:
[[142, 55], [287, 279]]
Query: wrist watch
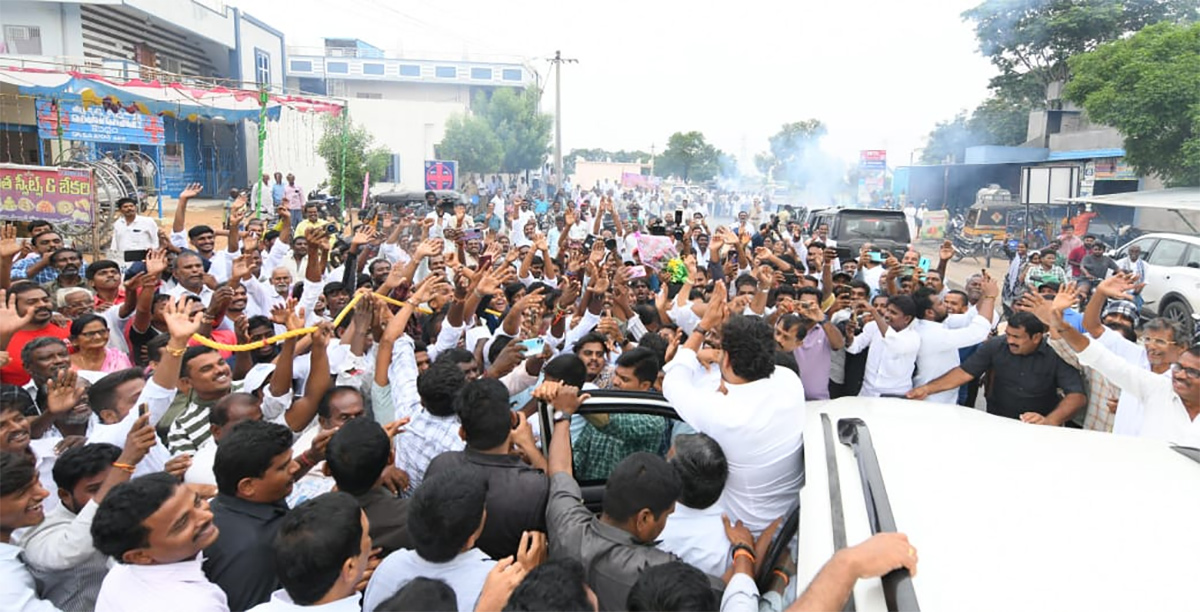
[[560, 416]]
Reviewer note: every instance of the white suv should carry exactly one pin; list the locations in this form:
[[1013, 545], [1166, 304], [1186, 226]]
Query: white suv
[[1172, 276]]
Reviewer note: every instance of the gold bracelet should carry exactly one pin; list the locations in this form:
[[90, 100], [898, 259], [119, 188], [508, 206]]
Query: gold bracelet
[[174, 352]]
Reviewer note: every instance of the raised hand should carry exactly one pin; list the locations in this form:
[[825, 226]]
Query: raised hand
[[9, 246], [1066, 297], [156, 262], [717, 308], [282, 314], [191, 191], [320, 338], [250, 243], [431, 286], [61, 392], [363, 235], [946, 252], [180, 325], [241, 268], [139, 441], [1116, 286], [10, 321]]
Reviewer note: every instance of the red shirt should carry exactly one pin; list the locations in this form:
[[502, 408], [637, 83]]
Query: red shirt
[[1076, 257], [224, 336], [13, 373], [120, 297]]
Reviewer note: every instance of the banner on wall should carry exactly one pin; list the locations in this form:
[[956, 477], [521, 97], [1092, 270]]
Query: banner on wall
[[54, 194], [97, 124]]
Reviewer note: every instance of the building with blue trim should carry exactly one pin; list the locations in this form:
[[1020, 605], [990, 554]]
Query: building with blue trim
[[200, 43]]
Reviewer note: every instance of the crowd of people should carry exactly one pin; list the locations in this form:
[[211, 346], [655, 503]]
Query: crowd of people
[[393, 415]]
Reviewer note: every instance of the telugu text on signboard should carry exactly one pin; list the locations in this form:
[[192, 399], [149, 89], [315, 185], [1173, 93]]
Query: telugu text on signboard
[[57, 195], [97, 124]]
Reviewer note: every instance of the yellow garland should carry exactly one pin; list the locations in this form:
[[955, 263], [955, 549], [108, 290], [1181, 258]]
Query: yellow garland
[[294, 333]]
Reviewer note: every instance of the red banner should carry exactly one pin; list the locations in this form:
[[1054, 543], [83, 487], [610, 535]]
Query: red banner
[[57, 195]]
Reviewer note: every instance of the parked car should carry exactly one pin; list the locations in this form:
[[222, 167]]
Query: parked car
[[1047, 528], [851, 228], [1172, 277]]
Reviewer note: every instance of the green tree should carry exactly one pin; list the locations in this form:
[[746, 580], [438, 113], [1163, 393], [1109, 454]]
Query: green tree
[[348, 153], [1148, 87], [1031, 40], [521, 128], [470, 141], [949, 141], [689, 157], [792, 147], [1000, 121]]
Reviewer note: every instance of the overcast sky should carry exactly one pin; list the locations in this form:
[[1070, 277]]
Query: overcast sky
[[879, 73]]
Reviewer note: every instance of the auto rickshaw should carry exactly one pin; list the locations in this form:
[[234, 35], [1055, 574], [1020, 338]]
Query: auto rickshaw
[[997, 214]]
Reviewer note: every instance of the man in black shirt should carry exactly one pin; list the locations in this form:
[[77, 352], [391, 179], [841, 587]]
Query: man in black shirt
[[254, 470], [357, 455], [517, 491], [1026, 376]]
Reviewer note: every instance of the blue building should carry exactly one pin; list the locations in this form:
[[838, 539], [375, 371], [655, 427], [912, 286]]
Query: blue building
[[194, 45]]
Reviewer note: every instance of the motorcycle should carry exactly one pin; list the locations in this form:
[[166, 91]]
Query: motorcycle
[[965, 247]]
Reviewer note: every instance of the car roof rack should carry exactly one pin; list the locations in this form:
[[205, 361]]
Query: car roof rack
[[898, 588]]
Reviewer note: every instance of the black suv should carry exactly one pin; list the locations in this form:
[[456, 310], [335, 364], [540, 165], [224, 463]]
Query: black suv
[[851, 228]]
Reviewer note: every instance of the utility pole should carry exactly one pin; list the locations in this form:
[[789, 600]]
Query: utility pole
[[651, 160], [558, 165]]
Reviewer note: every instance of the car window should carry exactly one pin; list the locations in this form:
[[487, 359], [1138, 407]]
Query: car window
[[1167, 253], [873, 227], [1192, 258], [1147, 245]]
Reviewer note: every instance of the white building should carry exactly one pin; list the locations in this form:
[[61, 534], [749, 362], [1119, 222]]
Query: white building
[[403, 102]]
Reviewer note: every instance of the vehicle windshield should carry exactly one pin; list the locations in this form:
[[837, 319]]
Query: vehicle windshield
[[874, 227]]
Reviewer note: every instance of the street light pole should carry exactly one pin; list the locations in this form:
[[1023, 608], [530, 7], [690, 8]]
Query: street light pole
[[558, 165]]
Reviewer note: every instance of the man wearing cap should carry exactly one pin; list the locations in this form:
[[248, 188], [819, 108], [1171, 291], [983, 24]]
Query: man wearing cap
[[1110, 320]]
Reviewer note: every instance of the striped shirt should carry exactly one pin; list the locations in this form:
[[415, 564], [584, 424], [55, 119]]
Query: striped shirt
[[189, 431]]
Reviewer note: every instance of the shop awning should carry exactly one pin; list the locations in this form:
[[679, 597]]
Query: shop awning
[[1177, 198], [155, 98]]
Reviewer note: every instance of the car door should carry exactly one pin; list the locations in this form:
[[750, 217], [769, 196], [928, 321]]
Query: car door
[[647, 407], [1161, 264]]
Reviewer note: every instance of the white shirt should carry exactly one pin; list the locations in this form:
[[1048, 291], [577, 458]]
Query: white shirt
[[464, 573], [891, 359], [140, 235], [1130, 413], [760, 427], [18, 590], [60, 554], [1164, 416], [201, 469], [939, 352], [177, 587], [44, 460], [205, 294], [697, 537], [282, 602], [872, 276]]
